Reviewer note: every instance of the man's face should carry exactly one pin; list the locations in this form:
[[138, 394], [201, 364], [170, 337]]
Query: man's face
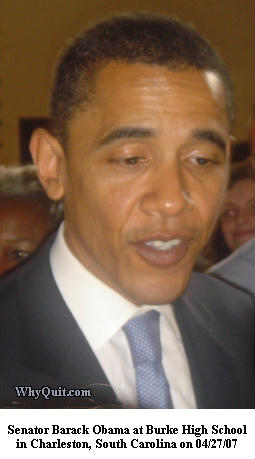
[[144, 177], [237, 218]]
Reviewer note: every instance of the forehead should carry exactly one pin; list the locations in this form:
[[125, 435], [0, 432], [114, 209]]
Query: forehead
[[21, 212], [140, 93], [116, 78], [123, 75]]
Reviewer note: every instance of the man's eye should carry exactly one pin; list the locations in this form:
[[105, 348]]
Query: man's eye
[[131, 161], [20, 254], [229, 213], [201, 161]]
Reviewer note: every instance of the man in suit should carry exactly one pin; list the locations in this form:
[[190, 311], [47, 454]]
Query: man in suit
[[141, 120]]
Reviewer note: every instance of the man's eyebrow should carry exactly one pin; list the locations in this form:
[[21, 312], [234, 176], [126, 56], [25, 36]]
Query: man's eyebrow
[[126, 132], [18, 240], [212, 136]]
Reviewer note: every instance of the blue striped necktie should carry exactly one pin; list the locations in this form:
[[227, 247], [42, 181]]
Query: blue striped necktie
[[143, 335]]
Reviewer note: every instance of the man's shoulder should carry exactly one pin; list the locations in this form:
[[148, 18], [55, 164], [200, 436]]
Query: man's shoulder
[[214, 301], [238, 268], [245, 254], [226, 312], [226, 315], [207, 287]]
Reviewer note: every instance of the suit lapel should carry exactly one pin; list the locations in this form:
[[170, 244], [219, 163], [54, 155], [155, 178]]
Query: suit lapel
[[54, 344], [211, 368]]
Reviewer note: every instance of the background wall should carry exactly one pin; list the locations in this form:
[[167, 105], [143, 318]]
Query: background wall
[[33, 32]]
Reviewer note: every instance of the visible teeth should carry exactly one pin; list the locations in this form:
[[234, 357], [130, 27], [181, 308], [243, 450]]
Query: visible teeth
[[161, 245]]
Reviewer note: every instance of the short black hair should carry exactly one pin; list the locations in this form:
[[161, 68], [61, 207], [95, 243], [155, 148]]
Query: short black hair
[[134, 38]]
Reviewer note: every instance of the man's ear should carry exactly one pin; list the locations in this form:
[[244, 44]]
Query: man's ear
[[48, 156]]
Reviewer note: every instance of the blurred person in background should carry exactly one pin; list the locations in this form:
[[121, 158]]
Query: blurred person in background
[[238, 268], [236, 221], [237, 217], [27, 215]]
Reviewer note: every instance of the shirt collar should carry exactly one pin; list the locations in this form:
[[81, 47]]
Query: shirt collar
[[91, 302]]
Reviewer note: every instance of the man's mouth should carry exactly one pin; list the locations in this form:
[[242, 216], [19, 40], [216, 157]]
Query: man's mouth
[[161, 245], [162, 249]]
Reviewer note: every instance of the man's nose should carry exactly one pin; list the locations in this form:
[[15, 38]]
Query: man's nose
[[167, 193]]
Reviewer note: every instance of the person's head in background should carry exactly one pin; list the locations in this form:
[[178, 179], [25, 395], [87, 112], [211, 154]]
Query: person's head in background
[[237, 216], [27, 215]]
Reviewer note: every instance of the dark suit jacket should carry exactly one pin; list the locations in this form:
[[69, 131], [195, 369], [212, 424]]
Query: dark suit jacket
[[41, 344]]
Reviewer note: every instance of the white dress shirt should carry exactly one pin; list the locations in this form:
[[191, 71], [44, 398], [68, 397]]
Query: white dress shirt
[[101, 312]]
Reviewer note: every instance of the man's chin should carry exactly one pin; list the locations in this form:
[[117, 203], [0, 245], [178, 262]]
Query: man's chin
[[154, 286], [157, 295]]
